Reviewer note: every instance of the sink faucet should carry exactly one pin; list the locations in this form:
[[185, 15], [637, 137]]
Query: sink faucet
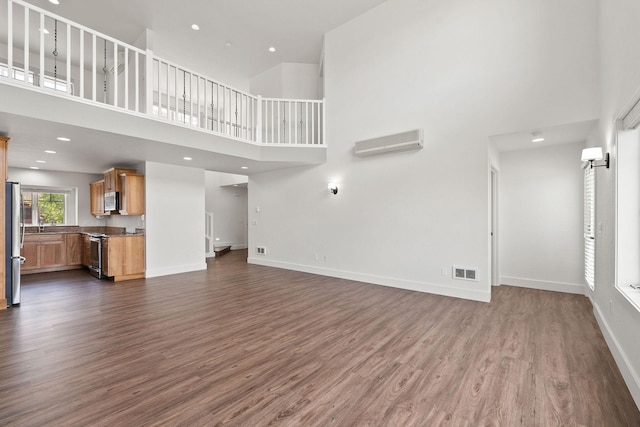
[[40, 225]]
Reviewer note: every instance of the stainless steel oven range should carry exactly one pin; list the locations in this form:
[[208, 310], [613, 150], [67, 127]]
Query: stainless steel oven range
[[95, 255]]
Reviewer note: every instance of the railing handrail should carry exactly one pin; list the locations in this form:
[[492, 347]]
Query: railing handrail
[[76, 25], [310, 101], [137, 81], [197, 74]]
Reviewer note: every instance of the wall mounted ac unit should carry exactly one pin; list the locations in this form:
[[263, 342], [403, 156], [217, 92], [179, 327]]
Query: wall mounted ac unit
[[405, 141]]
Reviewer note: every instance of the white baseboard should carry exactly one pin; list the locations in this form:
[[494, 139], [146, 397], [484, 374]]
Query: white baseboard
[[631, 377], [166, 271], [570, 288], [238, 247], [482, 296]]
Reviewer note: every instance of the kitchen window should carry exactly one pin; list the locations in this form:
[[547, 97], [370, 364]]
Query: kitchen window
[[49, 205]]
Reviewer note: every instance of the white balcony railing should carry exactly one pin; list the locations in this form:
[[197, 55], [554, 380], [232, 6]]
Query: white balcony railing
[[75, 61]]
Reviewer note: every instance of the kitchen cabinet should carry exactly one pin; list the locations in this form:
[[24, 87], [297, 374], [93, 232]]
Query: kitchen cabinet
[[131, 194], [86, 250], [44, 252], [111, 181], [74, 249], [123, 257], [51, 252], [97, 197]]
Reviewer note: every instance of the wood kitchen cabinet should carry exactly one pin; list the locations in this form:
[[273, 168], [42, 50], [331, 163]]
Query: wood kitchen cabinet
[[131, 194], [74, 249], [44, 252], [111, 181], [123, 257], [51, 252], [97, 197]]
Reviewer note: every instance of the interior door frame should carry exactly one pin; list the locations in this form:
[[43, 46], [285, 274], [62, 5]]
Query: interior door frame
[[493, 226]]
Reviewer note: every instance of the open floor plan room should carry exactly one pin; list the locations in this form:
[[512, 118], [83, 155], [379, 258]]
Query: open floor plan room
[[248, 345]]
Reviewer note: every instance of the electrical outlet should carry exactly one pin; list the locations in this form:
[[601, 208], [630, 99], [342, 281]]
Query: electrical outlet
[[261, 250]]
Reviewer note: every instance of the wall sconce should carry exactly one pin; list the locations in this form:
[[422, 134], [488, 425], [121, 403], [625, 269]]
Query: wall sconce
[[333, 188], [594, 154]]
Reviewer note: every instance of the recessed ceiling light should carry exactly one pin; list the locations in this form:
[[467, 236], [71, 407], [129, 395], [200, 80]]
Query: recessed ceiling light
[[272, 49], [195, 27], [227, 45], [34, 167], [62, 138], [40, 161], [54, 1], [50, 152], [537, 137], [244, 167], [187, 158]]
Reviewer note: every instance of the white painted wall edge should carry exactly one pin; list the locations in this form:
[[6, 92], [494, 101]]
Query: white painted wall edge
[[570, 288], [158, 272], [377, 280], [631, 377]]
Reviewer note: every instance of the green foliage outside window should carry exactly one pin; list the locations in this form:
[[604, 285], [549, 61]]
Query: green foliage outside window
[[51, 208]]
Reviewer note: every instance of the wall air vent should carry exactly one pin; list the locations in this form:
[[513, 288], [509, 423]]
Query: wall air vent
[[465, 273], [412, 140]]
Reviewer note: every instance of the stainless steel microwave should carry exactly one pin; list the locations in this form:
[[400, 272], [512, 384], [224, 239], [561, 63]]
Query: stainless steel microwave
[[111, 201]]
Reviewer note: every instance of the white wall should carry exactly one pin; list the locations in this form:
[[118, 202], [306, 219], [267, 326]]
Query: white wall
[[461, 71], [174, 218], [229, 207], [80, 181], [541, 230], [620, 83], [287, 80]]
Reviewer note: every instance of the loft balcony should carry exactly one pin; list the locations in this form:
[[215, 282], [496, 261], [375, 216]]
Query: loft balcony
[[53, 70]]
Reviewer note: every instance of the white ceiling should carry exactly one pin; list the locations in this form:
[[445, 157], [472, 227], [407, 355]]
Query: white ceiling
[[554, 135], [295, 27]]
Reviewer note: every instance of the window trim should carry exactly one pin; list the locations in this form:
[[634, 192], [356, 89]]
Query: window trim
[[71, 200]]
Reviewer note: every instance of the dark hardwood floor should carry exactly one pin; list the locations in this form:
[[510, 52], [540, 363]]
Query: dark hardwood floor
[[246, 345]]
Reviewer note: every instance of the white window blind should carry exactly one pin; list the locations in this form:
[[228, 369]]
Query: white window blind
[[589, 226]]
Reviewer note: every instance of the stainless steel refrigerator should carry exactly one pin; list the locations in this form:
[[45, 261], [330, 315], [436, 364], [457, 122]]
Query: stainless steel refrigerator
[[14, 235]]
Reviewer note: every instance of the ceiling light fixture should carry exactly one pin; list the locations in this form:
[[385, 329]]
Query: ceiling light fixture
[[244, 167], [44, 30], [34, 167], [227, 45], [537, 137], [195, 27], [50, 152], [40, 161], [54, 1], [62, 138], [188, 158], [272, 49]]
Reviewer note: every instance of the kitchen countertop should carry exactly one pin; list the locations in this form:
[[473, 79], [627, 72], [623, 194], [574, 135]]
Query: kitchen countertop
[[64, 229]]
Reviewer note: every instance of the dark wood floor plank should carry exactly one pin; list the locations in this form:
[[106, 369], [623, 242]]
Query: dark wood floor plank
[[245, 345]]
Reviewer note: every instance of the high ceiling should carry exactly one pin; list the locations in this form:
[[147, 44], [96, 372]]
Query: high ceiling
[[294, 27]]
